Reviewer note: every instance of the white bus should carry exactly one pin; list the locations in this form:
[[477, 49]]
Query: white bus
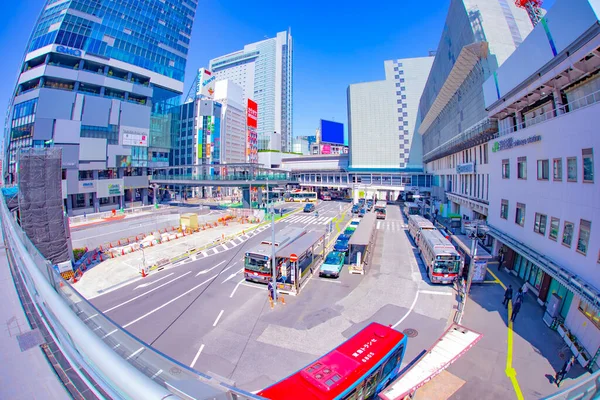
[[257, 262], [299, 196], [411, 209], [443, 262], [416, 224], [380, 209]]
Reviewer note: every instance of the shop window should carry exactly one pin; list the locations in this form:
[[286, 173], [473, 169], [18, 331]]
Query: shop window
[[568, 229], [583, 238], [520, 215], [504, 209], [485, 153], [543, 170], [505, 169], [554, 228], [572, 169], [590, 312], [588, 165], [540, 224], [522, 168], [557, 169]]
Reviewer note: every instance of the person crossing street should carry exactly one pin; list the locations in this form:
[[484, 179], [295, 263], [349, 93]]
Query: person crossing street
[[507, 296]]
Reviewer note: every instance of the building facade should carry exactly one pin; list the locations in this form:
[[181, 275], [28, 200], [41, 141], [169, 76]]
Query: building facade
[[479, 35], [382, 117], [233, 122], [100, 80], [264, 71], [545, 197]]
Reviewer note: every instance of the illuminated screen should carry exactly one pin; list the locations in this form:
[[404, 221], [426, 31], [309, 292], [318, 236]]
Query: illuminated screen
[[332, 132]]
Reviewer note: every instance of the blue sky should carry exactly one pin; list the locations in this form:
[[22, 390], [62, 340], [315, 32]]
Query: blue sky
[[336, 43]]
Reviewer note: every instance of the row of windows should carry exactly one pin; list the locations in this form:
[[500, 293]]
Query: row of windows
[[541, 223], [543, 168]]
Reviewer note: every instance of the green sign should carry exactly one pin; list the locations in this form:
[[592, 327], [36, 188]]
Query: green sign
[[114, 189]]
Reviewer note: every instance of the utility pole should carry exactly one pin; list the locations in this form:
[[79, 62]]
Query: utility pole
[[273, 263]]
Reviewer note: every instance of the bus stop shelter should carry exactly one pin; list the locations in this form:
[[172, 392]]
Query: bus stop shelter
[[308, 248], [361, 244]]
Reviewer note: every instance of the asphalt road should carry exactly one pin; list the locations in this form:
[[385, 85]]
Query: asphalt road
[[206, 316]]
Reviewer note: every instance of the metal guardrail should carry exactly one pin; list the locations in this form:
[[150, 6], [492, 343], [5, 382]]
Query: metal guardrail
[[122, 365], [107, 214], [217, 178], [586, 389]]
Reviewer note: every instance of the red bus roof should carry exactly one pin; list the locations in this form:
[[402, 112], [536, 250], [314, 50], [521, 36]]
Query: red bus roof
[[329, 376]]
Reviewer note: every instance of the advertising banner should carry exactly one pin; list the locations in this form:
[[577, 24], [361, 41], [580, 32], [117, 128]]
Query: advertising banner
[[252, 114], [109, 187], [332, 132], [132, 136], [325, 149], [123, 161], [206, 84], [252, 136]]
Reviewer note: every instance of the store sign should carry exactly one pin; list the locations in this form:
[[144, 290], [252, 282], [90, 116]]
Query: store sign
[[206, 84], [509, 143], [68, 50], [132, 136], [114, 189], [252, 114], [87, 186], [467, 168]]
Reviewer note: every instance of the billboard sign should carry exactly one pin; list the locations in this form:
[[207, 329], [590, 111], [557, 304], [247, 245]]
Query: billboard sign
[[205, 87], [252, 136], [252, 114], [132, 136], [325, 149], [123, 161], [332, 132]]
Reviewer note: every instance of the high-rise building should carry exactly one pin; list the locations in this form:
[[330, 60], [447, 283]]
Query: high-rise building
[[100, 80], [233, 122], [478, 36], [382, 117], [264, 71]]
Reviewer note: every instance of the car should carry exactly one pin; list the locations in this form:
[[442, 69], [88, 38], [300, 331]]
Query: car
[[362, 212], [341, 246], [349, 231], [361, 202], [309, 208], [343, 236], [333, 264], [355, 222], [355, 209]]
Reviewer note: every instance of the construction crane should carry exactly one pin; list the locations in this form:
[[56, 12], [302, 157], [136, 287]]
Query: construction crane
[[534, 9]]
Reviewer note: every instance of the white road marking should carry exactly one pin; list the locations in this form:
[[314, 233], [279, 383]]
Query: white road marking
[[327, 280], [156, 374], [90, 317], [169, 302], [197, 355], [232, 275], [206, 271], [378, 224], [254, 286], [218, 318], [109, 333], [135, 352], [215, 250], [204, 253], [408, 312], [236, 288], [435, 292], [143, 285], [143, 294], [224, 247]]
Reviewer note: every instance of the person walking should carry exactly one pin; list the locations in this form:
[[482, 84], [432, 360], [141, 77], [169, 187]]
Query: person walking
[[524, 288], [270, 289], [519, 297], [560, 375], [515, 309], [507, 296], [500, 261]]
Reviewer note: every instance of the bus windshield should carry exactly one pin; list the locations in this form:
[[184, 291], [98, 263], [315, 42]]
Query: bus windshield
[[255, 264], [446, 266]]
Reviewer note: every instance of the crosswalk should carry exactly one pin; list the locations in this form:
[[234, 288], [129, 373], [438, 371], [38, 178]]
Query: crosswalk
[[230, 244], [391, 225], [309, 219]]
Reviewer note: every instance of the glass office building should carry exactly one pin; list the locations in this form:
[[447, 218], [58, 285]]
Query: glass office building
[[100, 80]]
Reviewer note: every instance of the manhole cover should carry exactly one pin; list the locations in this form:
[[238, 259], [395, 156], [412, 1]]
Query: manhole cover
[[175, 371], [562, 355], [410, 332], [30, 339]]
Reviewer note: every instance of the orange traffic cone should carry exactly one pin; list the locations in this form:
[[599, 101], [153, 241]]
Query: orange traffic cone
[[282, 299], [119, 242], [112, 255], [144, 273], [136, 239], [122, 252]]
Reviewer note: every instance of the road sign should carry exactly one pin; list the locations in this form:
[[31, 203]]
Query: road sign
[[293, 257]]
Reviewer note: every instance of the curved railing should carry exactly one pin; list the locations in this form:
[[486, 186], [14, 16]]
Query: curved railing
[[119, 363], [230, 177]]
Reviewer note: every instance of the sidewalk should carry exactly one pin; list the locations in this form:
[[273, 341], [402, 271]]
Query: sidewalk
[[534, 351], [116, 272], [23, 374]]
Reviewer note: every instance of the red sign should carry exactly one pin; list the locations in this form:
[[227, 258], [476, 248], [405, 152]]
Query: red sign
[[293, 257], [252, 114]]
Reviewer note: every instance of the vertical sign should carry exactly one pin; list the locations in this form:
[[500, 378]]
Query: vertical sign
[[252, 136], [205, 87]]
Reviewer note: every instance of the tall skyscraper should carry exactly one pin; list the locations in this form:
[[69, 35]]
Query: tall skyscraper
[[264, 71], [101, 80], [382, 117]]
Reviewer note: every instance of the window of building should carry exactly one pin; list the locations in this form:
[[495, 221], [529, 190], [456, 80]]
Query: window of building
[[557, 169], [568, 229], [505, 169], [480, 154], [540, 224], [584, 236], [572, 169], [520, 215], [504, 209], [485, 153], [522, 168], [554, 228], [587, 157], [590, 312], [543, 170]]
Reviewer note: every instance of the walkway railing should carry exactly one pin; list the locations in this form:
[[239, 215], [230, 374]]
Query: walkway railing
[[240, 177], [122, 365]]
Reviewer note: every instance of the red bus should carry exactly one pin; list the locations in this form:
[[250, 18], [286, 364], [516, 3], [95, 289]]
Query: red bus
[[359, 368]]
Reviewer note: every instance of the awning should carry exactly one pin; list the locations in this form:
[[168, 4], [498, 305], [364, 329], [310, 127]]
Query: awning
[[467, 59], [363, 234], [574, 283]]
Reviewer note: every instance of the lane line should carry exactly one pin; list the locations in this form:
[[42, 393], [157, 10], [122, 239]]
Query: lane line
[[253, 286], [143, 294], [135, 352], [169, 302], [197, 355], [143, 285], [378, 224], [109, 333], [215, 250], [231, 266], [412, 306], [206, 271], [224, 247], [236, 288], [327, 280], [156, 374], [436, 292], [218, 318]]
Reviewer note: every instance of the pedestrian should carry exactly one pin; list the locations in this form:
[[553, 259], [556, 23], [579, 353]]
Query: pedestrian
[[519, 296], [515, 310], [500, 261], [560, 375], [507, 296], [525, 288], [270, 289]]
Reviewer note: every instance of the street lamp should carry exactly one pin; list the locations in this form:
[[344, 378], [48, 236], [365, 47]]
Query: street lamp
[[273, 263]]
